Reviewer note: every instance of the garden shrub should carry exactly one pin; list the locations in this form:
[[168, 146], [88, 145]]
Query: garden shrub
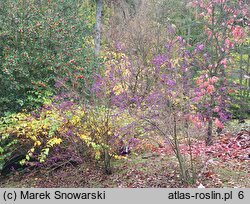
[[33, 136], [39, 44], [62, 131]]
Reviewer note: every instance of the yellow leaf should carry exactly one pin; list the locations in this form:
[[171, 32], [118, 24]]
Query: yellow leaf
[[37, 143]]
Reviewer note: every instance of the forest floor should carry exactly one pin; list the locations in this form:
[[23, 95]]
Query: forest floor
[[225, 164]]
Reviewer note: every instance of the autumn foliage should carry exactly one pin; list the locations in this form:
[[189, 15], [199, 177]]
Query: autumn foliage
[[171, 94]]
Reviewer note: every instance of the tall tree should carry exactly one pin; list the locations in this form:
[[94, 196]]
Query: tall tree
[[99, 8], [126, 7]]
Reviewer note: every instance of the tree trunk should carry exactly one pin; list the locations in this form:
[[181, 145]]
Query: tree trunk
[[209, 140], [107, 165], [99, 8], [182, 165]]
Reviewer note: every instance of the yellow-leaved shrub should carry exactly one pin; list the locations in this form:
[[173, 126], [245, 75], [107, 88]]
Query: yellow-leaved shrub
[[36, 134]]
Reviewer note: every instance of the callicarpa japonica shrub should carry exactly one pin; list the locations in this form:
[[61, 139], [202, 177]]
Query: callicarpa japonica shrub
[[159, 109]]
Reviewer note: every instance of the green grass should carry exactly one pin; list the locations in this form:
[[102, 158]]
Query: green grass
[[232, 178], [234, 126]]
